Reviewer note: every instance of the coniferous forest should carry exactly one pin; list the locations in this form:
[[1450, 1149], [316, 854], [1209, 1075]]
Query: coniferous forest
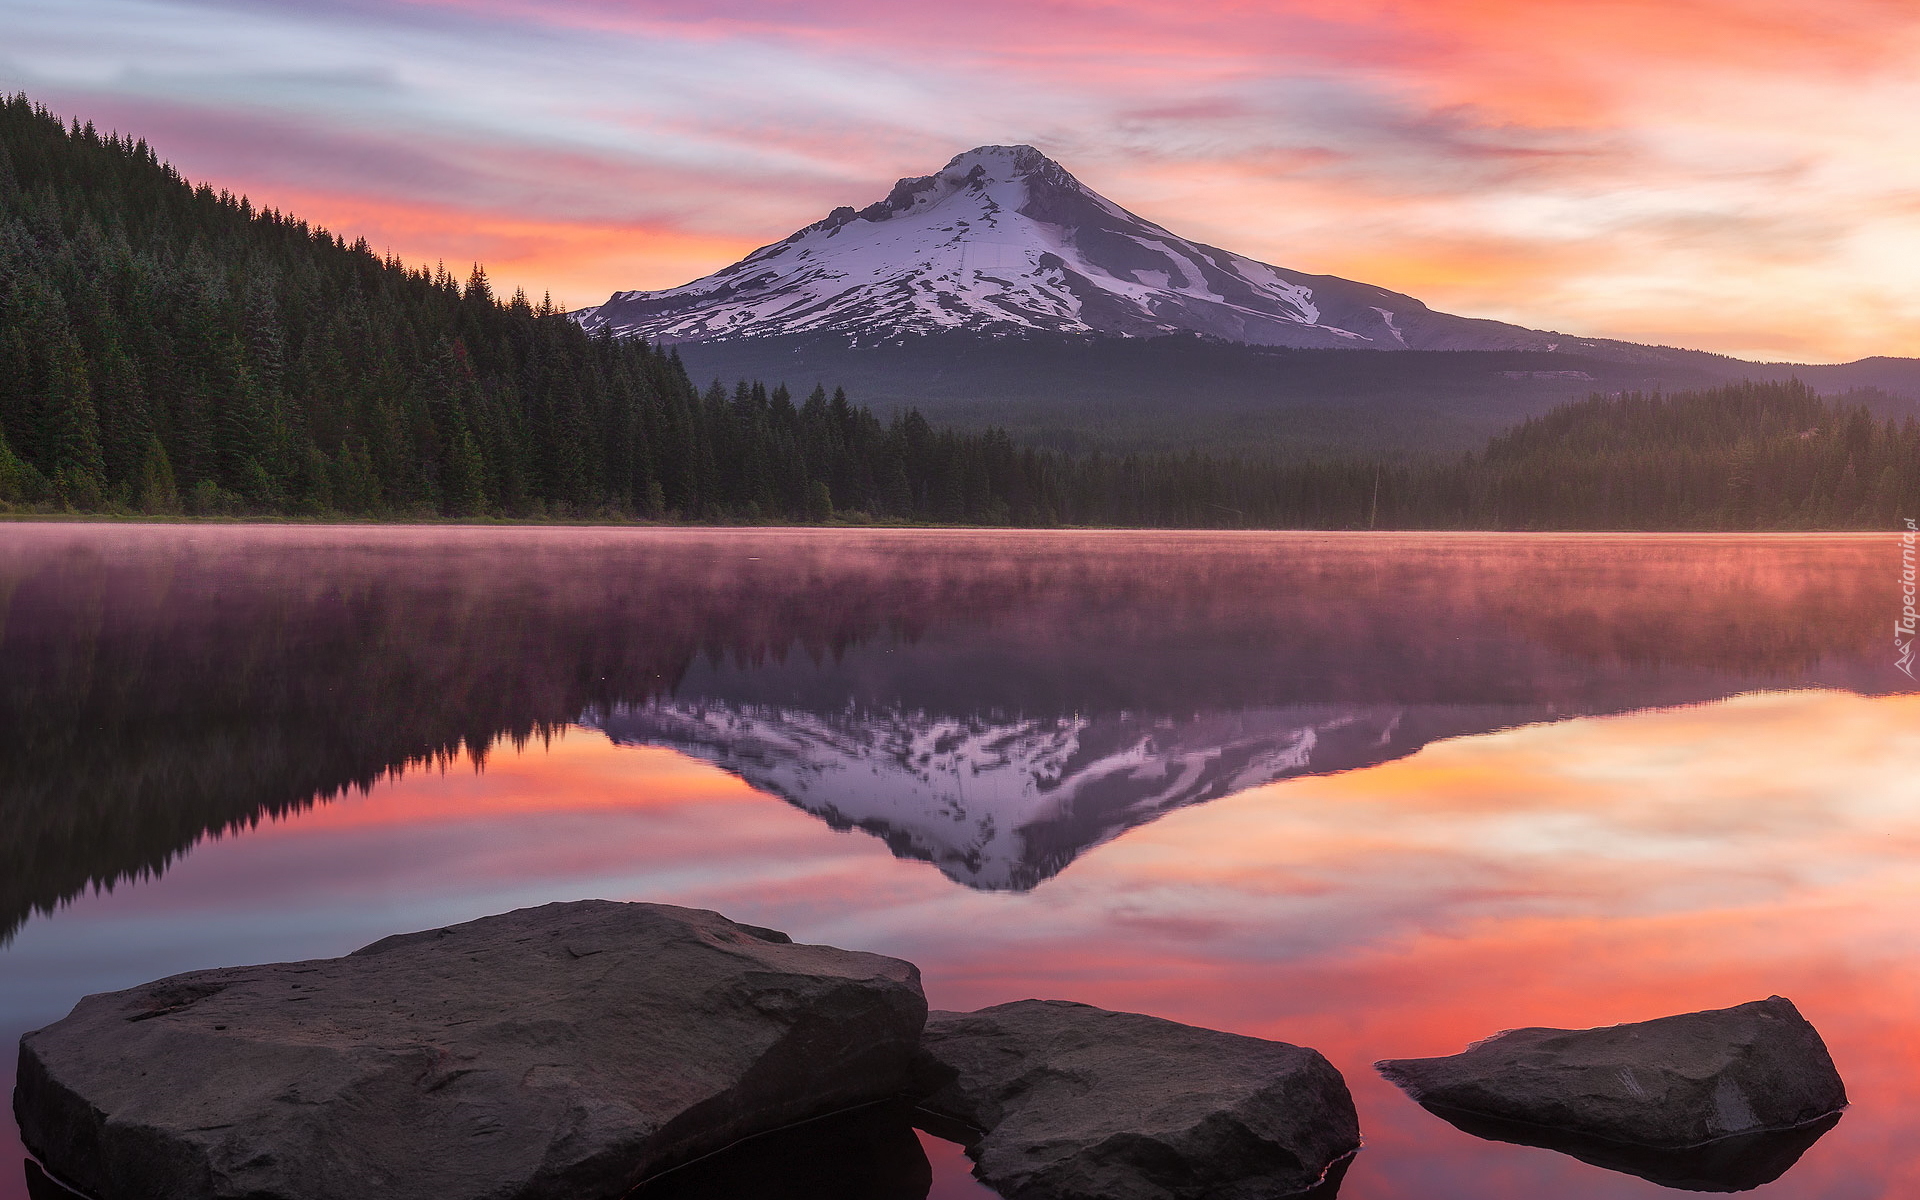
[[168, 349]]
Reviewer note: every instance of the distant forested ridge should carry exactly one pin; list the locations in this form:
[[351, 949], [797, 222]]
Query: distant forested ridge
[[165, 348], [1745, 456]]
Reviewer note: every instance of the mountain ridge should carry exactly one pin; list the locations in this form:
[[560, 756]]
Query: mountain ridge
[[1004, 240]]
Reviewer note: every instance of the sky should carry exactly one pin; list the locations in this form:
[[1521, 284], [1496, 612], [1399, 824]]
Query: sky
[[1734, 175]]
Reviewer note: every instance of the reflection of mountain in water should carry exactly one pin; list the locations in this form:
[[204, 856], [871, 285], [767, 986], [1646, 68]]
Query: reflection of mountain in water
[[160, 683], [1004, 803], [1007, 802]]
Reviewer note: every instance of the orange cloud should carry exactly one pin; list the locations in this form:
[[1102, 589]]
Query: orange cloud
[[1726, 173], [572, 259]]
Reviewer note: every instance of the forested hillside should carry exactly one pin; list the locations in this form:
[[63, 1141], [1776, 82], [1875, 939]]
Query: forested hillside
[[161, 346], [167, 349], [1081, 394], [1746, 456], [1766, 456]]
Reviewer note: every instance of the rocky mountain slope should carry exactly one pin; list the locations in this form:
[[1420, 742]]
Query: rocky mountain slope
[[1003, 240]]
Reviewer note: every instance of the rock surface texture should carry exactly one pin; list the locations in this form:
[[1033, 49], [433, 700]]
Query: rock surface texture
[[1673, 1083], [570, 1050], [1079, 1103]]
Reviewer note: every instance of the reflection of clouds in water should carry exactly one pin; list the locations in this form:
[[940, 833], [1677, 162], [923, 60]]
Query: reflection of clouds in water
[[1531, 823], [1524, 825], [1540, 822], [1482, 883]]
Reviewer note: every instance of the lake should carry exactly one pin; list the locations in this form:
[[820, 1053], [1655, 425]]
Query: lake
[[1378, 794]]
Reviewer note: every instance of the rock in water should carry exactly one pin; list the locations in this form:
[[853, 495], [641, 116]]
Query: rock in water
[[1072, 1102], [564, 1051], [1669, 1084]]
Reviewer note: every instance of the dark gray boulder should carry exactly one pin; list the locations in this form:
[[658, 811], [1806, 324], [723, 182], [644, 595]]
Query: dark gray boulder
[[570, 1050], [1671, 1084], [1063, 1101]]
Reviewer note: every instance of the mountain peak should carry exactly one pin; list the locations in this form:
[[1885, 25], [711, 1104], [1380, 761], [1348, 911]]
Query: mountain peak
[[1003, 240], [984, 170], [1004, 163]]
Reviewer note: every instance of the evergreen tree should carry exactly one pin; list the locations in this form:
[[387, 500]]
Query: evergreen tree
[[70, 429], [155, 490], [15, 483]]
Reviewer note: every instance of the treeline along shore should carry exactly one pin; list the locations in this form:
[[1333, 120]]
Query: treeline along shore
[[168, 349]]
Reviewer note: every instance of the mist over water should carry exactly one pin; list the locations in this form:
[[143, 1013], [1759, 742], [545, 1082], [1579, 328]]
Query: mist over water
[[1377, 794]]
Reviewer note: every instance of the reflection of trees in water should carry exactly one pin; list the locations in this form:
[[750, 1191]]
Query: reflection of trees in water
[[163, 683]]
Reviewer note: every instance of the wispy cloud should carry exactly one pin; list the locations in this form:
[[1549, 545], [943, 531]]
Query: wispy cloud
[[1732, 169]]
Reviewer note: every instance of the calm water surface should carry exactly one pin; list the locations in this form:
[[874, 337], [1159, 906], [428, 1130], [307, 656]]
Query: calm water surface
[[1381, 795]]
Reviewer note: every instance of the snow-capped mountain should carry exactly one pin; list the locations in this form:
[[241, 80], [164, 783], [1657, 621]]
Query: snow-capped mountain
[[1004, 803], [1004, 241]]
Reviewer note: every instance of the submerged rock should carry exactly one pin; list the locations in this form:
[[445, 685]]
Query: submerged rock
[[1729, 1164], [1671, 1084], [570, 1050], [1069, 1102]]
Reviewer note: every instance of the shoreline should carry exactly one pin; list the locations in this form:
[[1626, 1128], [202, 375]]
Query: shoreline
[[70, 518]]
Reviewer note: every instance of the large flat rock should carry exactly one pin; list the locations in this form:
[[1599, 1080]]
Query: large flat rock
[[1070, 1102], [1673, 1083], [564, 1051]]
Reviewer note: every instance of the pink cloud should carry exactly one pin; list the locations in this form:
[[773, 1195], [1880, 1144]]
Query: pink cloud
[[1655, 169]]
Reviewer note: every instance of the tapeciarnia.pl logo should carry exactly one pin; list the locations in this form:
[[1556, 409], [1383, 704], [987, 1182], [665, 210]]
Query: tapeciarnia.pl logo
[[1903, 629]]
